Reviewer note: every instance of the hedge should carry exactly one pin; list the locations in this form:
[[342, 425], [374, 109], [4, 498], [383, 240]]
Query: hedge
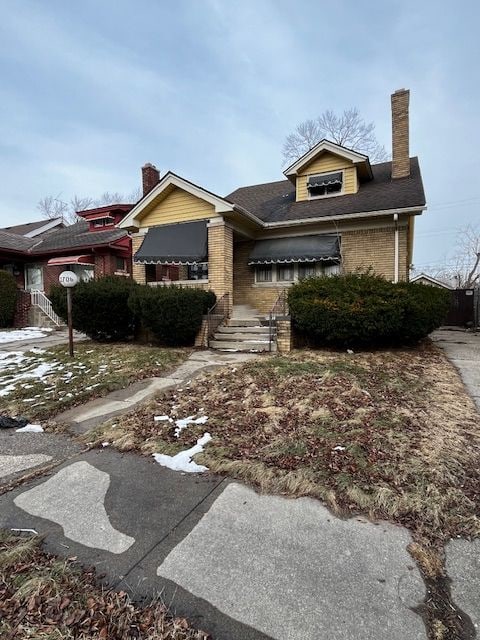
[[8, 298], [114, 308], [365, 310], [99, 308], [173, 314]]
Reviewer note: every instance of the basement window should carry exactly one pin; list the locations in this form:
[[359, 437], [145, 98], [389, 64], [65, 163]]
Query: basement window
[[325, 184]]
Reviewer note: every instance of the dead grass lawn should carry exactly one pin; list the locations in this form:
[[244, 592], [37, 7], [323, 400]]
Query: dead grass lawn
[[44, 597], [96, 370], [392, 433]]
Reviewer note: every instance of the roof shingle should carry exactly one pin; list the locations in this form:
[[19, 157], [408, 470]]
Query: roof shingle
[[275, 201]]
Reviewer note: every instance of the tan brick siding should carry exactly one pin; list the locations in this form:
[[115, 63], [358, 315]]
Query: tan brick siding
[[375, 248], [245, 291], [220, 259], [138, 270], [284, 336]]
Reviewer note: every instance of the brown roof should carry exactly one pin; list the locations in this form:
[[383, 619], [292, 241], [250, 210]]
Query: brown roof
[[13, 242], [275, 201], [77, 235], [27, 227], [74, 236]]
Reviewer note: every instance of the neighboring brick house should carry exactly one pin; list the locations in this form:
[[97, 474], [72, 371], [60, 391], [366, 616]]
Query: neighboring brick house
[[335, 211], [93, 246], [36, 253]]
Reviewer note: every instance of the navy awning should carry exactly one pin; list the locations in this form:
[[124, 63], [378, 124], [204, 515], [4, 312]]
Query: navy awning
[[324, 181], [182, 243], [298, 249]]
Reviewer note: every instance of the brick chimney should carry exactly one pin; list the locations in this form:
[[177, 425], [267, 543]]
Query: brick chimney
[[400, 144], [150, 177]]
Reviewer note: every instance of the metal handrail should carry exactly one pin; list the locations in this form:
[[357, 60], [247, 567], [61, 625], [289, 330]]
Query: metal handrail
[[39, 299], [280, 308], [218, 314]]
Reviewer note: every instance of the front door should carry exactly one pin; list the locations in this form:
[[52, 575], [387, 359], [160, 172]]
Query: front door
[[33, 277]]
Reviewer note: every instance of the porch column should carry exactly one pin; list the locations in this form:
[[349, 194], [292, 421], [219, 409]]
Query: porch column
[[138, 270], [220, 258]]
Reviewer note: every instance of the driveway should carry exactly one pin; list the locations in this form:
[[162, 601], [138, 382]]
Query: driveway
[[463, 349]]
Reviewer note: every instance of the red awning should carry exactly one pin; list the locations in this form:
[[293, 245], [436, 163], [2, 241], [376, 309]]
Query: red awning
[[71, 260]]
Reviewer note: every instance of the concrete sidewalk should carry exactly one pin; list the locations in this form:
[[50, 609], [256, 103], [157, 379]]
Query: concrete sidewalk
[[236, 564], [463, 349], [51, 339]]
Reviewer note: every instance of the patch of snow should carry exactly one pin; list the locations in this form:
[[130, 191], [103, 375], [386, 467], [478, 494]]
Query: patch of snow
[[162, 419], [105, 444], [339, 448], [182, 461], [184, 422], [28, 333], [30, 428]]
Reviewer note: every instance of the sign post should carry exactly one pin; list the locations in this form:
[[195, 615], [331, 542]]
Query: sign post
[[69, 279]]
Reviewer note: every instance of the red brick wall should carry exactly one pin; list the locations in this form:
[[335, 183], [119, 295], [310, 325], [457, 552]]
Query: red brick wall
[[21, 310]]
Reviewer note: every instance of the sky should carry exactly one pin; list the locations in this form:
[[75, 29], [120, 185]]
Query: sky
[[90, 91]]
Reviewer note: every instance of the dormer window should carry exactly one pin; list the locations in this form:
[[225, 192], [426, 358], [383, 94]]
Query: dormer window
[[325, 184], [99, 223]]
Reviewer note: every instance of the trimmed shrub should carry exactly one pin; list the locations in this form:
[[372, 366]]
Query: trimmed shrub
[[365, 310], [99, 307], [8, 298], [173, 314]]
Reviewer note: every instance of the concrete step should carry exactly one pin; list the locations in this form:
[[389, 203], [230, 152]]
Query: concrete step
[[241, 329], [242, 337], [247, 322], [243, 311], [242, 345]]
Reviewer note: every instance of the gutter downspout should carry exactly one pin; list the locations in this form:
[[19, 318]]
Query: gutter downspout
[[396, 251]]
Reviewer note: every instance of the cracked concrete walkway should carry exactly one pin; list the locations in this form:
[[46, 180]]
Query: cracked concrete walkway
[[463, 349], [81, 419]]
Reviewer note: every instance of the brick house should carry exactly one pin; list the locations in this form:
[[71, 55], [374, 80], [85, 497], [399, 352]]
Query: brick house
[[36, 253], [333, 212]]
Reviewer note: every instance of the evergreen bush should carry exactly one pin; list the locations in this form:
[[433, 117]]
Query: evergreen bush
[[8, 298], [366, 310]]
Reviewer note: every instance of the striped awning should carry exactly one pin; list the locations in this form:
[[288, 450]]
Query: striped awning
[[64, 260]]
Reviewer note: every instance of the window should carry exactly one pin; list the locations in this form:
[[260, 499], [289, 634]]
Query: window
[[264, 273], [120, 264], [103, 222], [285, 272], [325, 184], [293, 271], [198, 271], [84, 272], [33, 277], [306, 270]]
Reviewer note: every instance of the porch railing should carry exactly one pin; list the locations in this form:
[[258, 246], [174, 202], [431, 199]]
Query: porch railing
[[39, 299], [218, 314], [280, 308]]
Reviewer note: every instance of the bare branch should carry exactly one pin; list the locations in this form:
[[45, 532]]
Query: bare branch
[[349, 130], [464, 270]]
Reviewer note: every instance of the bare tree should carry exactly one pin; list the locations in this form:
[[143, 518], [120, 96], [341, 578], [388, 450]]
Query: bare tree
[[55, 207], [349, 130], [463, 270]]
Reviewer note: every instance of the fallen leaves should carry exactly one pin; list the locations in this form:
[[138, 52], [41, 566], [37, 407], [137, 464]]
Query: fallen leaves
[[67, 603]]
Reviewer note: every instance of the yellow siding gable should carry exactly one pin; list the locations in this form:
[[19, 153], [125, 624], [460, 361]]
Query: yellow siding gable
[[178, 206], [323, 164]]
